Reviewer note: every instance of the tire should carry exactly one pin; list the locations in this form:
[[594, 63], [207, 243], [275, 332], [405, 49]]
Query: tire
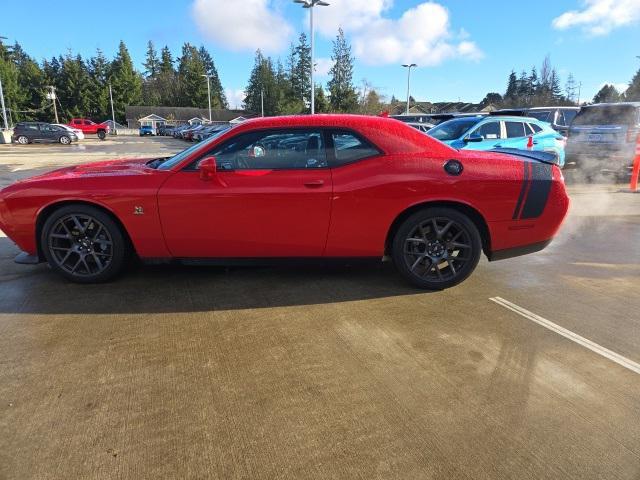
[[65, 140], [435, 238], [83, 244], [102, 134], [22, 140]]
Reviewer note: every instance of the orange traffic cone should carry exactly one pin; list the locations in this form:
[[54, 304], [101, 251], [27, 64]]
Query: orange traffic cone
[[633, 186]]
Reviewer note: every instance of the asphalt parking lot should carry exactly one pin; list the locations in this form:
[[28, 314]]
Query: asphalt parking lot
[[530, 369]]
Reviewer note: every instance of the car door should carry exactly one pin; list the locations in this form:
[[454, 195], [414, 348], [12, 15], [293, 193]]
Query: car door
[[50, 133], [270, 197], [491, 133], [516, 135]]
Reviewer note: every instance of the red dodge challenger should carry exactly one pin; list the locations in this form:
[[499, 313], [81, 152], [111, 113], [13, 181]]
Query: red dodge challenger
[[304, 187]]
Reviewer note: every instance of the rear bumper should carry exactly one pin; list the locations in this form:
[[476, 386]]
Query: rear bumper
[[517, 251]]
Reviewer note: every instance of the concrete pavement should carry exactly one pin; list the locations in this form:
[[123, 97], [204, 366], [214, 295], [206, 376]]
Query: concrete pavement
[[178, 372]]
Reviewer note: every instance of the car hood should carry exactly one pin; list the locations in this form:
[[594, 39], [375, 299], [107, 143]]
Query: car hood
[[126, 166]]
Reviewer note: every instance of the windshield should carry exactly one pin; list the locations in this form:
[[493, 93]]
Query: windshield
[[453, 129], [179, 157], [542, 115], [609, 115]]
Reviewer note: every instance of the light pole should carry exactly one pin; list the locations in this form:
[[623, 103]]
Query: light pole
[[208, 77], [113, 113], [408, 66], [4, 110], [310, 4]]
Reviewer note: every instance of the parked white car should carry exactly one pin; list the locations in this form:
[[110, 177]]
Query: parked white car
[[79, 133]]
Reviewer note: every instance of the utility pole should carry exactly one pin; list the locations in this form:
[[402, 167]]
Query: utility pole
[[409, 67], [4, 110], [208, 77], [262, 101], [52, 96], [113, 113], [579, 91], [310, 4]]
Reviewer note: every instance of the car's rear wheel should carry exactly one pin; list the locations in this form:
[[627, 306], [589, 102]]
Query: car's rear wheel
[[23, 140], [102, 134], [436, 248], [84, 244], [65, 140]]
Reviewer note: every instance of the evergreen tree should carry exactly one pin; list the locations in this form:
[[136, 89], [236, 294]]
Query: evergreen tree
[[343, 96], [193, 86], [30, 97], [152, 63], [218, 97], [511, 95], [166, 61], [126, 83], [9, 75], [262, 81], [74, 88], [555, 89], [607, 94], [523, 88], [633, 92], [98, 68], [321, 102], [570, 89], [301, 77], [532, 86]]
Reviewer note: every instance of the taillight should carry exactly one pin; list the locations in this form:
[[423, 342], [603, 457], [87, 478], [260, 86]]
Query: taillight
[[632, 135]]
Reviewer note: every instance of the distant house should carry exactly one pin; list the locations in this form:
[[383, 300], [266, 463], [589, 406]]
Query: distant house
[[135, 114], [154, 121]]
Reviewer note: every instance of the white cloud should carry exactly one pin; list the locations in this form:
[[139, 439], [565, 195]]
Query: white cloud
[[247, 25], [235, 98], [323, 65], [599, 17], [421, 35]]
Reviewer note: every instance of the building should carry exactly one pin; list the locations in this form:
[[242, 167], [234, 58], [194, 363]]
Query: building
[[139, 115], [418, 108]]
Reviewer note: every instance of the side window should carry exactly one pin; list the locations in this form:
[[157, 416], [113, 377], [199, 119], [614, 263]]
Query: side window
[[349, 148], [489, 130], [31, 126], [535, 128], [77, 122], [273, 150], [515, 129], [88, 122], [569, 115]]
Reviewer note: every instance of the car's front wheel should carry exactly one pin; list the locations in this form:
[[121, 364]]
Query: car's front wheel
[[83, 244], [436, 248], [65, 140]]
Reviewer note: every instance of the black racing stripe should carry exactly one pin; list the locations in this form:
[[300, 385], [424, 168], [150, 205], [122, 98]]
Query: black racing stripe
[[525, 183], [541, 175]]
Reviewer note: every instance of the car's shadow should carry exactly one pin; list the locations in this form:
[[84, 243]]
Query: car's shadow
[[173, 289]]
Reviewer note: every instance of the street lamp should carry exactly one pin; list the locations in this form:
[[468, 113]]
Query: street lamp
[[310, 4], [208, 77], [4, 110], [408, 66]]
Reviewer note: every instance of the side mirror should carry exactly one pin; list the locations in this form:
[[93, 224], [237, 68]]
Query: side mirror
[[473, 137], [208, 168]]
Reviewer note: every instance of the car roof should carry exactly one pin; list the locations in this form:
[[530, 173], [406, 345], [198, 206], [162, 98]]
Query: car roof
[[617, 104], [514, 118], [318, 120]]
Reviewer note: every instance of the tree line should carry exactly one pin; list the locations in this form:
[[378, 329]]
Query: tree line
[[275, 87]]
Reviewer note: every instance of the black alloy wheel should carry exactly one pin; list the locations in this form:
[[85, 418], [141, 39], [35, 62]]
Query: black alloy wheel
[[83, 244], [437, 248]]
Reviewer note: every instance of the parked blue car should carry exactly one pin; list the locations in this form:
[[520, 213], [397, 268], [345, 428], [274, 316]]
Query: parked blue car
[[494, 132], [147, 130]]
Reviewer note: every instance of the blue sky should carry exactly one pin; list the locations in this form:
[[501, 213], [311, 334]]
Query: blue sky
[[463, 49]]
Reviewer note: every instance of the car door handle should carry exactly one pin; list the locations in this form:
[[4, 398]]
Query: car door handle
[[314, 183]]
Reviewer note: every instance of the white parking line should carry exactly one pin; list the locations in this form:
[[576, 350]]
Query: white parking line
[[574, 337]]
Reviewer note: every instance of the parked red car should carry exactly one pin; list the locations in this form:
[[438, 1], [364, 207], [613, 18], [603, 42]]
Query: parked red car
[[323, 186], [90, 127]]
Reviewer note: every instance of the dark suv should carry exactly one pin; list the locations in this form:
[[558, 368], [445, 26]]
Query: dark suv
[[560, 118], [602, 138], [30, 132]]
